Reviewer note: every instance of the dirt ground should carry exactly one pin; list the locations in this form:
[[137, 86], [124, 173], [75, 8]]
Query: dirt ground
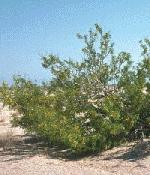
[[24, 154]]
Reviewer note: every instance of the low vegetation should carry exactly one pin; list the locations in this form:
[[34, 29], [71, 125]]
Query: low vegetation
[[90, 105], [6, 140]]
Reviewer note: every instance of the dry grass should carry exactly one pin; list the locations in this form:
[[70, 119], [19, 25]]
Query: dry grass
[[6, 140], [2, 118]]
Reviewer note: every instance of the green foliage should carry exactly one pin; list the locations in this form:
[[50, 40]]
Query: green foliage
[[90, 105]]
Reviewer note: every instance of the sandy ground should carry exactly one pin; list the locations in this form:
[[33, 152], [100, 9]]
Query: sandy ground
[[23, 154]]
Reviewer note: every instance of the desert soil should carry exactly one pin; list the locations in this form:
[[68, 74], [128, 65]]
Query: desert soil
[[24, 154]]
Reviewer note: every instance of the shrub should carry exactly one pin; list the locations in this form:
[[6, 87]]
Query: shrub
[[90, 105]]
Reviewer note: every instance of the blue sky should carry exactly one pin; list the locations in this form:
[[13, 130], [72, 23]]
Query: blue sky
[[32, 28]]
